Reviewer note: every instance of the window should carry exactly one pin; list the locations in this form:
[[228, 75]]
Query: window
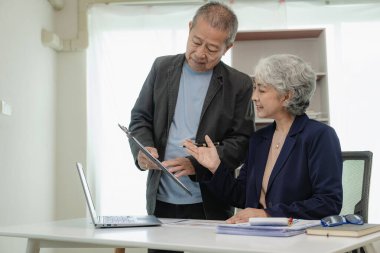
[[124, 41]]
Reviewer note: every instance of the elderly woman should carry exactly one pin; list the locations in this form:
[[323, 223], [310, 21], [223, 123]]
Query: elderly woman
[[293, 166]]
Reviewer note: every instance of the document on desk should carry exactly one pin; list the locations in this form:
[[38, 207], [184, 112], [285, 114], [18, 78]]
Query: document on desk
[[297, 227], [192, 223]]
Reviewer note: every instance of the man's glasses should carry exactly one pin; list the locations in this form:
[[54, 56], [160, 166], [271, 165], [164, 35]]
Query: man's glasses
[[336, 220]]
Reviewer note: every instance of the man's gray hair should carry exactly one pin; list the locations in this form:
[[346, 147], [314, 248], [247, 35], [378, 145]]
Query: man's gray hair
[[219, 16]]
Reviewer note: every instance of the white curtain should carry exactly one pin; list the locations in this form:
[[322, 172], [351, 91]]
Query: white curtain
[[124, 40]]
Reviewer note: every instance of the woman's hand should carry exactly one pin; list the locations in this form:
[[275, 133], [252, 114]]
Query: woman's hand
[[245, 214], [206, 156]]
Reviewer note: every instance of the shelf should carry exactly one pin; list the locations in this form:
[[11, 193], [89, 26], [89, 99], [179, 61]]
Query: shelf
[[263, 121], [309, 44], [319, 75], [278, 34], [269, 121]]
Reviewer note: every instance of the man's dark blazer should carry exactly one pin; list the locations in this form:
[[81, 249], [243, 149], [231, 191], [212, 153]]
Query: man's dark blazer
[[306, 181], [222, 118]]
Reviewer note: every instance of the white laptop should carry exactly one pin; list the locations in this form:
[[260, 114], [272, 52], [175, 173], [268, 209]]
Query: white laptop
[[113, 221]]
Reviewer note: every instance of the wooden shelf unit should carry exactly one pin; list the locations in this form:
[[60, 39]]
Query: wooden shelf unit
[[309, 44]]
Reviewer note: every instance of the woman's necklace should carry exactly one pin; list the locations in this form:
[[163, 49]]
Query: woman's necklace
[[279, 139]]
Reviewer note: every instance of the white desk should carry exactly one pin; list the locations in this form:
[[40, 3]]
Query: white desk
[[80, 233]]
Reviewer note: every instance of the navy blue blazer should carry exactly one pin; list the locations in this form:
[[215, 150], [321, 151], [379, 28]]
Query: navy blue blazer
[[306, 181]]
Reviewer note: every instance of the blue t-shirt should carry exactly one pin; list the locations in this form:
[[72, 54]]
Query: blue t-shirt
[[191, 95]]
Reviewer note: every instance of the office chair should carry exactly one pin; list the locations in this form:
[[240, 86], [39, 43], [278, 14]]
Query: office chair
[[356, 182], [356, 177]]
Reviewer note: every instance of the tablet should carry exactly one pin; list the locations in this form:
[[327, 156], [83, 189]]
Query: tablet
[[154, 160]]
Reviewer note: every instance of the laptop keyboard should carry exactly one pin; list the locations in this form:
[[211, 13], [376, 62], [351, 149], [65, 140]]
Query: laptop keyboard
[[119, 219]]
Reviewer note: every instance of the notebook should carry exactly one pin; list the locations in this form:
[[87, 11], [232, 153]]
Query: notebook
[[154, 160], [113, 221], [349, 230]]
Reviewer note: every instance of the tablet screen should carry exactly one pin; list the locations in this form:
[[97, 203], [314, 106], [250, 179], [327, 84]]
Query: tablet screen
[[153, 159]]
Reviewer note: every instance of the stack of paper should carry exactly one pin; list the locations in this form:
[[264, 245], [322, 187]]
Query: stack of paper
[[298, 226]]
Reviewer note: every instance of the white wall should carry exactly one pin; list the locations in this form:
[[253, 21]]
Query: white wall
[[27, 137], [71, 118], [46, 133]]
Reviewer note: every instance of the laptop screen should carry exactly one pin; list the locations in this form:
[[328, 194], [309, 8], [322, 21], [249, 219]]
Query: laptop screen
[[87, 193]]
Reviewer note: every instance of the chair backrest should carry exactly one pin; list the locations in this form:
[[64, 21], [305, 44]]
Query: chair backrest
[[356, 182]]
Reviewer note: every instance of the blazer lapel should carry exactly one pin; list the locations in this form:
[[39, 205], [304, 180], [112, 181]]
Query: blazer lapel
[[284, 154], [215, 85], [290, 141], [261, 158], [173, 80]]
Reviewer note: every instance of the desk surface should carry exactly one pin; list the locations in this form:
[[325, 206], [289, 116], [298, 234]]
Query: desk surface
[[190, 238]]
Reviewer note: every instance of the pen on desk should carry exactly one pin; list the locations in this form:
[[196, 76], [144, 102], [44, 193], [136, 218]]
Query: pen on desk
[[216, 144]]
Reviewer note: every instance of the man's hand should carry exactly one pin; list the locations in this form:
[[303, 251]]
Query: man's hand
[[245, 214], [143, 160], [206, 156], [181, 166]]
